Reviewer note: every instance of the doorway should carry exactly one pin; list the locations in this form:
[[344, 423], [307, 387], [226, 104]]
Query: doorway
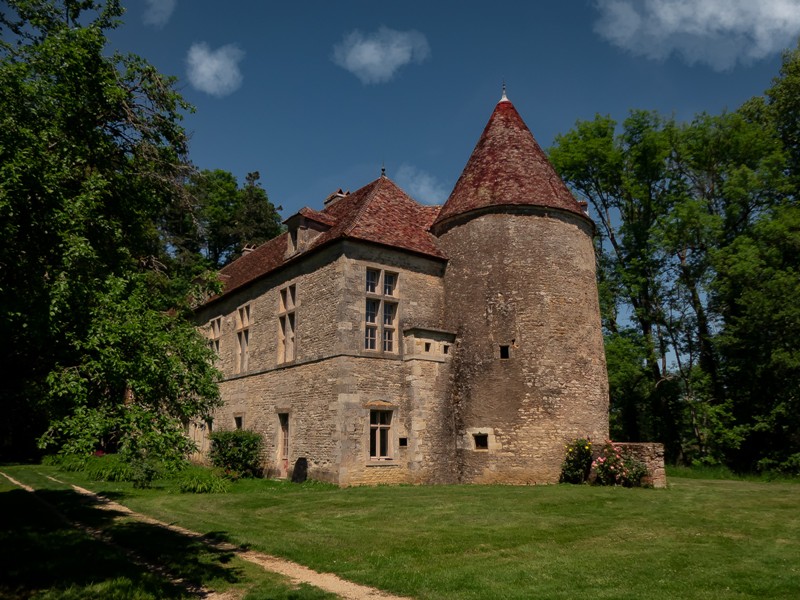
[[283, 446]]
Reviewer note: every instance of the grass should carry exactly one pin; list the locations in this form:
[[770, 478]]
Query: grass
[[698, 539], [45, 556]]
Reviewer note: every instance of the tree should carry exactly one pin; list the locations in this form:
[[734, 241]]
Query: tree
[[668, 197], [756, 289], [223, 218], [96, 344]]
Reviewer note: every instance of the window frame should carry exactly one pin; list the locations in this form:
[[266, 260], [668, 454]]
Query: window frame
[[244, 321], [381, 310], [381, 434], [287, 323], [214, 334]]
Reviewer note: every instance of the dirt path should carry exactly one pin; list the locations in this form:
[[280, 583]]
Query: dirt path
[[295, 572]]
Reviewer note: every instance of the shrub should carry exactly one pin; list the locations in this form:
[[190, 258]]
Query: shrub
[[577, 463], [197, 480], [109, 467], [614, 466], [236, 452]]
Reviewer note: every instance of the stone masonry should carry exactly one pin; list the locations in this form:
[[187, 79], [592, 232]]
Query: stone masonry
[[385, 341]]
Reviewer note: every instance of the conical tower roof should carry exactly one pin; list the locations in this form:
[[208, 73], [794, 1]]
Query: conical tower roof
[[507, 168]]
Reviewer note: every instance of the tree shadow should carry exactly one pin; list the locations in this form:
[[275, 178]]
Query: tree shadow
[[39, 551]]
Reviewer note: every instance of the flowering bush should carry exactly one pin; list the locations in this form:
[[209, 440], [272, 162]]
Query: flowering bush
[[577, 462], [613, 466]]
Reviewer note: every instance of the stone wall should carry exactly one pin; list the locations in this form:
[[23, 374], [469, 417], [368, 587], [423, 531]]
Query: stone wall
[[652, 455], [529, 371], [329, 387]]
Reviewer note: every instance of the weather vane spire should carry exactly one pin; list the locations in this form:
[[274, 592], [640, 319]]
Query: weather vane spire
[[504, 98]]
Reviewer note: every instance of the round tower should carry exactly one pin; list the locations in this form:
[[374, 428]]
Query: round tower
[[529, 370]]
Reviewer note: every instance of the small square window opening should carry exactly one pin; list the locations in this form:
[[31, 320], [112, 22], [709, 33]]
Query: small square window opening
[[481, 441], [505, 352]]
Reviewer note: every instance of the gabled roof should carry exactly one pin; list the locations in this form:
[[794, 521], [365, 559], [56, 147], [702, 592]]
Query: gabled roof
[[507, 168], [379, 213]]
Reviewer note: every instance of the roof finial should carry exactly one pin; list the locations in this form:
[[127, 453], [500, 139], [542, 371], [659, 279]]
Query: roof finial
[[383, 169], [504, 98]]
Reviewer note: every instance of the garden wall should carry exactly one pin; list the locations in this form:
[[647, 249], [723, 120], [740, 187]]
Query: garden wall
[[652, 455]]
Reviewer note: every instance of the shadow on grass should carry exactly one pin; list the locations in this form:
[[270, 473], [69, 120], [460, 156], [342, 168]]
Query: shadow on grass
[[42, 554]]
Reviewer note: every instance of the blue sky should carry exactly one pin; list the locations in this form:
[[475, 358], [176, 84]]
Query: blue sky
[[318, 95]]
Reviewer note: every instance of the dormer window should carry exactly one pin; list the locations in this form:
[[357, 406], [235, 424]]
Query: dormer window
[[304, 227]]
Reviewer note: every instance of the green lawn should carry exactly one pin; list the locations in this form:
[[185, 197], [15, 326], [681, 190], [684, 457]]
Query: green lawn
[[698, 539]]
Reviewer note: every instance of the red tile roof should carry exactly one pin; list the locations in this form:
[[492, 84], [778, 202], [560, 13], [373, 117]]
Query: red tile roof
[[315, 215], [379, 213], [507, 168]]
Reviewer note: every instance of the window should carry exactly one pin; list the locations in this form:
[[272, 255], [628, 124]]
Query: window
[[505, 352], [481, 441], [214, 333], [389, 313], [286, 324], [243, 322], [371, 320], [380, 429], [389, 281], [384, 329], [238, 421], [372, 280]]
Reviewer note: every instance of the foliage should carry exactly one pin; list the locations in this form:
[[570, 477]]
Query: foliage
[[220, 219], [108, 467], [199, 480], [237, 452], [696, 272], [92, 311], [577, 462], [615, 466], [757, 288]]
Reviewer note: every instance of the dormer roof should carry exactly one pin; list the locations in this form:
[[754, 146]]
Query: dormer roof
[[506, 168], [378, 213]]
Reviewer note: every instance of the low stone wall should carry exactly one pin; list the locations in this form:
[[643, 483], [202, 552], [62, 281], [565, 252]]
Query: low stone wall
[[652, 455]]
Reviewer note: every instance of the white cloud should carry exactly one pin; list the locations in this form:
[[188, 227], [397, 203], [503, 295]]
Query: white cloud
[[158, 12], [375, 57], [719, 33], [215, 72], [420, 185]]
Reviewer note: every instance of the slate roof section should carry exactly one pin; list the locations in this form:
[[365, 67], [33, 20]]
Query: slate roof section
[[507, 168], [379, 213]]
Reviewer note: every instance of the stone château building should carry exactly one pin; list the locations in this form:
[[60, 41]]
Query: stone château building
[[387, 341]]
